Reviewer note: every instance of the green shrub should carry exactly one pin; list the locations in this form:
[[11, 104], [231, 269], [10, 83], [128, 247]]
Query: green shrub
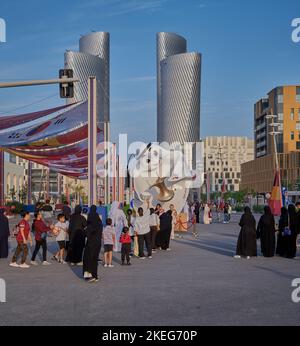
[[258, 209], [18, 207], [239, 208]]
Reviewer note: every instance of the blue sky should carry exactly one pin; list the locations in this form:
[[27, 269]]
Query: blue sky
[[246, 46]]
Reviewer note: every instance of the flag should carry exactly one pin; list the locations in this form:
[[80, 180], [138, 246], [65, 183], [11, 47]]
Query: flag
[[223, 188], [275, 201]]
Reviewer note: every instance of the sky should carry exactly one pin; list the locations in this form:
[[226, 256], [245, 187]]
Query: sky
[[246, 48]]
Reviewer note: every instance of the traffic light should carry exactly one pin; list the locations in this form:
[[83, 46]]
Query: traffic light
[[66, 90]]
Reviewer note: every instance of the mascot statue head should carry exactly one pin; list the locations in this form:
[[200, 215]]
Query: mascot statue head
[[161, 174]]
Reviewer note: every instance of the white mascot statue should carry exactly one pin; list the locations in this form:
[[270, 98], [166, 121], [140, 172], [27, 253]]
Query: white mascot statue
[[161, 174]]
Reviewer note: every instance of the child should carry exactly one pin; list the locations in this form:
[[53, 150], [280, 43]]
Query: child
[[22, 238], [109, 239], [40, 234], [62, 237], [125, 240]]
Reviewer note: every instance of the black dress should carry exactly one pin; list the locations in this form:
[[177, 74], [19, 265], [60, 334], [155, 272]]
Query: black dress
[[281, 239], [291, 240], [4, 235], [266, 232], [93, 244], [77, 236], [164, 234], [246, 245]]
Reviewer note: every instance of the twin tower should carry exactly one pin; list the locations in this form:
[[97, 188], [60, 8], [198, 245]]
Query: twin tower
[[178, 83]]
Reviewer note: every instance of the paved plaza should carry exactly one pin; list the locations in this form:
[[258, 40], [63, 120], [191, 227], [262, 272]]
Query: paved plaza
[[197, 283]]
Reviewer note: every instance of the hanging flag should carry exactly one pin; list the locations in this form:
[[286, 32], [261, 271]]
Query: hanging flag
[[275, 201]]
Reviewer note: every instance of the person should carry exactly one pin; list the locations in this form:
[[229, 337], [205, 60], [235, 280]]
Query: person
[[142, 229], [229, 212], [266, 233], [118, 217], [206, 215], [23, 237], [197, 211], [77, 227], [40, 230], [246, 245], [174, 220], [62, 236], [93, 245], [226, 213], [66, 210], [47, 211], [130, 222], [4, 234], [281, 236], [291, 233], [109, 239], [154, 227], [125, 240], [163, 237]]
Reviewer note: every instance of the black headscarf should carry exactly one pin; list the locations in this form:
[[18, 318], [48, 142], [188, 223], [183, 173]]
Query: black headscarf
[[94, 222], [268, 218], [4, 227], [292, 216], [78, 210]]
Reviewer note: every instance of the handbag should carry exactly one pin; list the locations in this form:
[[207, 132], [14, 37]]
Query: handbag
[[287, 231]]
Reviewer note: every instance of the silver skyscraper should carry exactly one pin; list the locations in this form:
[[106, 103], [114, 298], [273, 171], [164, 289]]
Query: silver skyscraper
[[91, 60], [98, 43], [178, 90]]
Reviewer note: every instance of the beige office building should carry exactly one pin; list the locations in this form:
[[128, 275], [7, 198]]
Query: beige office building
[[224, 157]]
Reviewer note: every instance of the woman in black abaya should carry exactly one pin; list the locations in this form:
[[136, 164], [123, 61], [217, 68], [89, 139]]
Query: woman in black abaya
[[266, 232], [281, 238], [4, 234], [93, 245], [77, 236], [164, 234], [246, 245], [291, 239]]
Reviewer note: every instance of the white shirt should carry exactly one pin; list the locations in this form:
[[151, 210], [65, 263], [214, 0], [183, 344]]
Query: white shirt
[[153, 220], [63, 231], [142, 223]]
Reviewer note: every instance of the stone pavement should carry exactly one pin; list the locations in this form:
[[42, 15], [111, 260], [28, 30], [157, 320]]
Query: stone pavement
[[197, 283]]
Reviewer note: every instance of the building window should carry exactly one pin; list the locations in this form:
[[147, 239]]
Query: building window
[[292, 135], [298, 126], [292, 113], [298, 94], [279, 98], [298, 145], [280, 117]]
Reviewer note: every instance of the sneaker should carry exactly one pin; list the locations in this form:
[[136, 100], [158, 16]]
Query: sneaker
[[45, 263], [14, 264], [72, 264], [153, 251], [105, 265], [54, 258], [79, 264], [96, 280], [237, 257], [91, 280], [248, 257], [142, 257], [24, 265], [150, 257], [168, 249], [34, 263], [129, 264], [110, 266], [63, 262]]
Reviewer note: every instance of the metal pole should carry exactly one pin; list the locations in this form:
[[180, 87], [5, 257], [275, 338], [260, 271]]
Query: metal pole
[[92, 140], [37, 82], [2, 199], [29, 180]]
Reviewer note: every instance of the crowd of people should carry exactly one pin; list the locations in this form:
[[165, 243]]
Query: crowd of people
[[266, 230], [79, 238]]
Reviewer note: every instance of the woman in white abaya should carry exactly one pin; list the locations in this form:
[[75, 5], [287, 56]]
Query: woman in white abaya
[[118, 221]]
